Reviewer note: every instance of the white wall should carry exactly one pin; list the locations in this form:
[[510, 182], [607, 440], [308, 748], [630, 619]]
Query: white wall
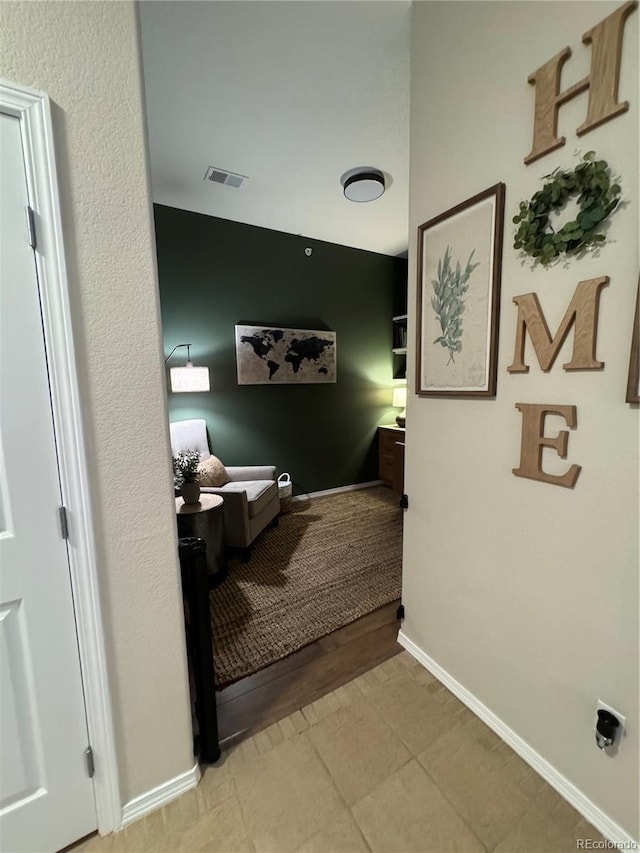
[[527, 593], [86, 57]]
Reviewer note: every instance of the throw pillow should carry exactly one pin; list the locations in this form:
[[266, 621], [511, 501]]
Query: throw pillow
[[211, 472]]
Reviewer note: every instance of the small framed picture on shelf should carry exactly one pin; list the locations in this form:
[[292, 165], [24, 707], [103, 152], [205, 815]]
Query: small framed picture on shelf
[[459, 266]]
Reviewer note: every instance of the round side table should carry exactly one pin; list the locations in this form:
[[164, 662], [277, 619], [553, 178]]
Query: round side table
[[205, 520]]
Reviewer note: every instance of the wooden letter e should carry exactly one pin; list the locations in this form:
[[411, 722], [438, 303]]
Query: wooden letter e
[[534, 441]]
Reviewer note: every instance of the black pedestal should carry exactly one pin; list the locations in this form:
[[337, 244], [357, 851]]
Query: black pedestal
[[195, 588]]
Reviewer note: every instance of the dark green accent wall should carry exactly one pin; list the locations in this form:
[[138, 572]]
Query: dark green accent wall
[[215, 273]]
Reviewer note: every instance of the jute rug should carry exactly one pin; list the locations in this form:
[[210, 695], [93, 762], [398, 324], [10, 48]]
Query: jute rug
[[328, 562]]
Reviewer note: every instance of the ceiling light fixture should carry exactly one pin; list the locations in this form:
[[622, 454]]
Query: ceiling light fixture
[[363, 184]]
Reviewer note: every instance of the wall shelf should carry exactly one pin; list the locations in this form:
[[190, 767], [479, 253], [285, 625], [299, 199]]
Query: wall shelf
[[399, 346]]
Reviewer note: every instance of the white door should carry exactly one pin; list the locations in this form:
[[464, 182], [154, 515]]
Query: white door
[[46, 795]]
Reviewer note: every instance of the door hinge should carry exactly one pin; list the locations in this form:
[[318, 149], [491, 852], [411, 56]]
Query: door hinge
[[31, 227], [64, 522], [91, 767], [400, 612], [404, 501]]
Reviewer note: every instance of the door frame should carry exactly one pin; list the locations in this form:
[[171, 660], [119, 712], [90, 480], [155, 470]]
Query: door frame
[[33, 110]]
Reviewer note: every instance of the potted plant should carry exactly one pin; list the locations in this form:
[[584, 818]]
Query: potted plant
[[185, 469]]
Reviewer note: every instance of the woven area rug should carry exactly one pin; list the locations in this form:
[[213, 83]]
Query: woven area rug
[[329, 561]]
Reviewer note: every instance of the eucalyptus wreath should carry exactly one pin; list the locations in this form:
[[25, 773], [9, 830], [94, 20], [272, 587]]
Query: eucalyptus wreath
[[597, 197]]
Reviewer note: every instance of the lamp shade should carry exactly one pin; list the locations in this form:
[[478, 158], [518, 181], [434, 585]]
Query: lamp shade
[[399, 399], [189, 379]]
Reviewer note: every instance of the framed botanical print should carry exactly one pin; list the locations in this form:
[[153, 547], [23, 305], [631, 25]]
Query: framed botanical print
[[633, 381], [459, 267]]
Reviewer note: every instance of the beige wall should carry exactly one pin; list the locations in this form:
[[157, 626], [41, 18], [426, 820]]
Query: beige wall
[[527, 593], [86, 57]]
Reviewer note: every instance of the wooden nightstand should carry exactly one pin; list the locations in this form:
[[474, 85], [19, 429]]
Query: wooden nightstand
[[391, 456]]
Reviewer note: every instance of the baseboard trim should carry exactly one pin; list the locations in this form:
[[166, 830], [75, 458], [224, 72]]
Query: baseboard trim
[[602, 822], [352, 488], [160, 796]]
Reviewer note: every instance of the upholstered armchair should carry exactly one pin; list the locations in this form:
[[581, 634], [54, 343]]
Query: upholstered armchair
[[250, 497]]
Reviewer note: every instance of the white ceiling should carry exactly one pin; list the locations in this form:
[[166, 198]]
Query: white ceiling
[[291, 94]]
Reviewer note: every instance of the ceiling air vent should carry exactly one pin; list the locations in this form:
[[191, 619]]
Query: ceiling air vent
[[221, 176]]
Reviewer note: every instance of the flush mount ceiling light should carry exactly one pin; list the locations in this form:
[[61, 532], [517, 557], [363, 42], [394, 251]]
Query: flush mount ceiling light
[[363, 184]]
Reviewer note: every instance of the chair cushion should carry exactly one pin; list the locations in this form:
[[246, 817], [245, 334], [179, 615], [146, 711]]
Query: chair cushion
[[259, 493], [189, 435], [211, 472]]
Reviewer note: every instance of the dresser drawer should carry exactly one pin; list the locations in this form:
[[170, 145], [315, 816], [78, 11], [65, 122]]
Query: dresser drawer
[[387, 439]]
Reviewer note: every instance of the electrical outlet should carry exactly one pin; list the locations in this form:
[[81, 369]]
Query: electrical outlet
[[622, 730]]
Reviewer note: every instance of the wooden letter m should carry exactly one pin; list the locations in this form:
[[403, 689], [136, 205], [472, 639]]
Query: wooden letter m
[[582, 311]]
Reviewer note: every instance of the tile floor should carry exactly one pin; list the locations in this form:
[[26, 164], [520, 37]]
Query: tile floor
[[391, 763]]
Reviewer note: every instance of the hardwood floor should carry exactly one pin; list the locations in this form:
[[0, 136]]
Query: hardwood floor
[[257, 701]]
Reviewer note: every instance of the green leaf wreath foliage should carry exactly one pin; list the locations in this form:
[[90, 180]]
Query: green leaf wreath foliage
[[597, 198], [448, 302]]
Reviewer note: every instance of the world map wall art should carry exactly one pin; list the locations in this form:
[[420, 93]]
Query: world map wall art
[[275, 356]]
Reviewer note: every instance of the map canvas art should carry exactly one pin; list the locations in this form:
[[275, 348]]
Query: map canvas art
[[269, 355]]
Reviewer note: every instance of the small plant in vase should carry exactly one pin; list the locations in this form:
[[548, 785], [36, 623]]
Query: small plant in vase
[[185, 469]]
